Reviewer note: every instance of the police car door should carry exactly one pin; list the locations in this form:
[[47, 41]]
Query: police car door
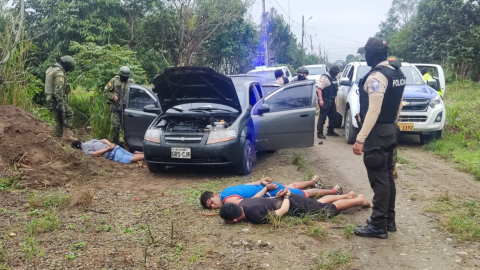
[[142, 108], [286, 118]]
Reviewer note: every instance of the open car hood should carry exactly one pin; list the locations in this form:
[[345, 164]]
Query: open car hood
[[181, 85]]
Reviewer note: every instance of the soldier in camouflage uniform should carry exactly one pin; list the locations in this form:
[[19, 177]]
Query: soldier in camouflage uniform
[[57, 91], [115, 92]]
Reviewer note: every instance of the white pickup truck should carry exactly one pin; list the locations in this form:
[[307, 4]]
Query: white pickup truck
[[423, 111]]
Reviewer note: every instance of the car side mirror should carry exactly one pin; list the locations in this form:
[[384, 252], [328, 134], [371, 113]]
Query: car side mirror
[[263, 109], [432, 83], [152, 109], [294, 75], [345, 81]]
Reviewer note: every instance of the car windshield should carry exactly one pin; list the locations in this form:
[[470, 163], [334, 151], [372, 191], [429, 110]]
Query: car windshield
[[268, 74], [412, 75], [241, 92], [316, 70]]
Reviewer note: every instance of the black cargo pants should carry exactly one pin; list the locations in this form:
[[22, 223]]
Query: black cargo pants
[[378, 158], [329, 109]]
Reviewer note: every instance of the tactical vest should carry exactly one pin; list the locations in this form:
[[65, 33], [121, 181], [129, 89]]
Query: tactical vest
[[331, 90], [392, 98], [50, 80]]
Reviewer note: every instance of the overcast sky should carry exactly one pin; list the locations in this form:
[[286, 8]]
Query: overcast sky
[[340, 26]]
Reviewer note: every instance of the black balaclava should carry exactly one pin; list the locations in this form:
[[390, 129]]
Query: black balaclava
[[375, 57], [301, 77], [123, 78]]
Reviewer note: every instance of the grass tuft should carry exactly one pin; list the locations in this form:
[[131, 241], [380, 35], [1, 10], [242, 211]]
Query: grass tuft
[[348, 230], [7, 184], [461, 137], [299, 160], [460, 219], [332, 260], [54, 200]]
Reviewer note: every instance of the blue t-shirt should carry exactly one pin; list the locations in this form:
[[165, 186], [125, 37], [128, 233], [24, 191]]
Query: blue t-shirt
[[242, 191]]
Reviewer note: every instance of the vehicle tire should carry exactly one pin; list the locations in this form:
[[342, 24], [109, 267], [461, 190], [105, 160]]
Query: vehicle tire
[[248, 159], [351, 131], [431, 136], [338, 121], [153, 167]]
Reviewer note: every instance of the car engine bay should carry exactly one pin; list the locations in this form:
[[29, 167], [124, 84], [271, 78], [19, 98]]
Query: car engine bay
[[195, 124]]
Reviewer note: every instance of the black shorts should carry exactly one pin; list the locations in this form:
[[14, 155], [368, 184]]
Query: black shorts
[[300, 205]]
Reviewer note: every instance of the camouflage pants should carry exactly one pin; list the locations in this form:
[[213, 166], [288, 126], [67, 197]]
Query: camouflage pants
[[115, 125], [63, 116], [395, 155]]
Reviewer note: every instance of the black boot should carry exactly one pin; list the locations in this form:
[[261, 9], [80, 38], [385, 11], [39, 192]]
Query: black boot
[[332, 133], [320, 135], [391, 226], [371, 231]]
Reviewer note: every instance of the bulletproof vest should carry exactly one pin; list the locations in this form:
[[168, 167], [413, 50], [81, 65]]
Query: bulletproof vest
[[52, 71], [121, 88], [331, 90], [392, 98]]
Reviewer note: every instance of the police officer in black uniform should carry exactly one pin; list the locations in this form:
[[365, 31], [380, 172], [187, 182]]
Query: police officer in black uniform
[[381, 93], [327, 89]]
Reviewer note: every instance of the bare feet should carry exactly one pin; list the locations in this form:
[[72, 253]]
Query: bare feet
[[365, 202], [351, 195]]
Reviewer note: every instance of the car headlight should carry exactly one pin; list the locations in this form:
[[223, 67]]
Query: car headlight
[[153, 135], [218, 136], [435, 101]]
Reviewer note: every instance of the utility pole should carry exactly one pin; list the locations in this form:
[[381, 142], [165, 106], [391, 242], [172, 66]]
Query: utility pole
[[265, 34], [303, 34], [311, 44]]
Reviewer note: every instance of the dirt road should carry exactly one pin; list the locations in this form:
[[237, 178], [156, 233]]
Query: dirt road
[[418, 243]]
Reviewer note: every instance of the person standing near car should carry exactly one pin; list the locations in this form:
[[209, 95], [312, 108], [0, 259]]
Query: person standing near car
[[381, 93], [280, 77], [57, 91], [302, 73], [115, 92], [327, 89]]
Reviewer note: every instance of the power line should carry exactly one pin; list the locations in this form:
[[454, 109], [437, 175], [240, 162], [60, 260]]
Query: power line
[[312, 27]]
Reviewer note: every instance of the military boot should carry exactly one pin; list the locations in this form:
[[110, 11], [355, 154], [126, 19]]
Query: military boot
[[320, 135], [332, 133], [372, 231], [68, 135]]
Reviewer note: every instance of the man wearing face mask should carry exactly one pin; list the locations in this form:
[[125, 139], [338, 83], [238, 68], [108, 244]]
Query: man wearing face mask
[[327, 89], [302, 73], [381, 93], [57, 91], [115, 92]]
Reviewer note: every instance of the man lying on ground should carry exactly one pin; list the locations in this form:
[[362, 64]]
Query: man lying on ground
[[107, 150], [259, 210], [267, 188]]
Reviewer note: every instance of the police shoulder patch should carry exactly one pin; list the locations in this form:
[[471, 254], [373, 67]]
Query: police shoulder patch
[[375, 85]]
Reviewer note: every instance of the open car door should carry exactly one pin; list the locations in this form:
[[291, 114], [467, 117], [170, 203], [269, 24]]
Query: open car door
[[436, 71], [286, 118], [142, 108]]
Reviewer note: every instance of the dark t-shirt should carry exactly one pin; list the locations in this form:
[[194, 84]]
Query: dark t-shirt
[[257, 209]]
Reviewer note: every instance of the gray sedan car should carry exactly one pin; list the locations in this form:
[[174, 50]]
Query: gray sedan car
[[207, 118]]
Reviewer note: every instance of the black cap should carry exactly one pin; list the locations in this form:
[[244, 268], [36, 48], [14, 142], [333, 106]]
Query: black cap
[[375, 44], [230, 211], [335, 68]]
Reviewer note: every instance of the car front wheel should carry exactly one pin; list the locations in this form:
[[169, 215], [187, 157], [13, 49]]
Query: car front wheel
[[246, 164], [153, 167], [351, 132], [431, 136]]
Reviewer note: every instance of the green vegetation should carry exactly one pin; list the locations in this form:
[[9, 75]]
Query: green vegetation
[[48, 221], [461, 137], [53, 200], [299, 160], [460, 219], [317, 232], [3, 253], [348, 230], [333, 260], [11, 183], [31, 248], [78, 246]]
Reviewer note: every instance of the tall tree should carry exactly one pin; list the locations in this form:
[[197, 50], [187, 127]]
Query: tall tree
[[13, 33]]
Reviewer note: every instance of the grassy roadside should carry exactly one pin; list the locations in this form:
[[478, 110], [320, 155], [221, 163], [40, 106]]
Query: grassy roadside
[[461, 137]]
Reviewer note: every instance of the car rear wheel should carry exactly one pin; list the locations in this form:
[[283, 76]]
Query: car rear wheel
[[153, 167], [246, 165], [351, 132]]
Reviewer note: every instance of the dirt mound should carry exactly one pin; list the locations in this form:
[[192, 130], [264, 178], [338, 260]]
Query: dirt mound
[[31, 153]]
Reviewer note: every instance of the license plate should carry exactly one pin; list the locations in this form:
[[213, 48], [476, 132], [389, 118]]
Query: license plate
[[405, 126], [185, 153]]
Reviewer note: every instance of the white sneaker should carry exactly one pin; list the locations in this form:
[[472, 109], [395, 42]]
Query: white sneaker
[[317, 181]]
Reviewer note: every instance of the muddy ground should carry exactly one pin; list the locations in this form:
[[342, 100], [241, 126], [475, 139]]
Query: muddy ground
[[138, 220]]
